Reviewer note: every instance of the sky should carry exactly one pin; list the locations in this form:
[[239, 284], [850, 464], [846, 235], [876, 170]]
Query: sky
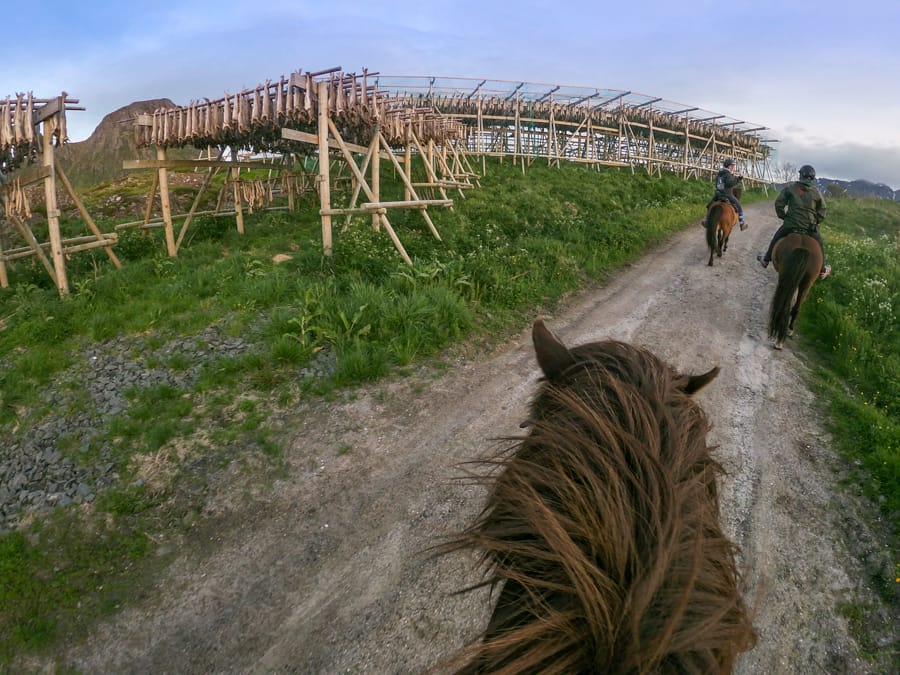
[[824, 77]]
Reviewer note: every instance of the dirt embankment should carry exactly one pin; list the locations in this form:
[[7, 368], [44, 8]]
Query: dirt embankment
[[326, 573]]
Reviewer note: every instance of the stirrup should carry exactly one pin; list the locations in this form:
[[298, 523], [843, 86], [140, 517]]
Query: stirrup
[[762, 261]]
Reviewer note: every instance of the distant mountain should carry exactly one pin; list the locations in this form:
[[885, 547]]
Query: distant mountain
[[859, 188], [99, 158]]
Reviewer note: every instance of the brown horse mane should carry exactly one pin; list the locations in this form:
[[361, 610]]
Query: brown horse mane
[[601, 527]]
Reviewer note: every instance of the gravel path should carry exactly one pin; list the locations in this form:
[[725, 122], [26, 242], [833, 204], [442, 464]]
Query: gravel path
[[326, 573]]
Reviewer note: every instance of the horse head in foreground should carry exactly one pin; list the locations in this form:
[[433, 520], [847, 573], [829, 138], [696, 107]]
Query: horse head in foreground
[[602, 525], [798, 260]]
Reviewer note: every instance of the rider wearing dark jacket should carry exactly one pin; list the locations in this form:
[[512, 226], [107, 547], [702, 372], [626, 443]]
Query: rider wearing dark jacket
[[802, 207], [726, 181]]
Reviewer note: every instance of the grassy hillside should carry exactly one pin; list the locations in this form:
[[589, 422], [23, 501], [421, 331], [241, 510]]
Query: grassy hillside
[[308, 327]]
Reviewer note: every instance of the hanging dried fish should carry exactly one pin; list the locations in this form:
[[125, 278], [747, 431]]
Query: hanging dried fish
[[257, 105], [266, 114], [6, 133], [164, 137], [279, 101], [226, 116], [241, 103], [179, 129], [62, 135], [29, 119], [308, 95], [18, 113], [196, 126]]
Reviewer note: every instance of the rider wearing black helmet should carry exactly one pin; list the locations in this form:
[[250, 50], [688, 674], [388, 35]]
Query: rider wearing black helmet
[[726, 181], [802, 207]]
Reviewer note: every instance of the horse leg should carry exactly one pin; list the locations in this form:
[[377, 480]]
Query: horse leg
[[720, 236]]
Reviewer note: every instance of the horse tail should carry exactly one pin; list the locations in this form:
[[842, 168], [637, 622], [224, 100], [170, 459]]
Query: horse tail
[[789, 280], [712, 226]]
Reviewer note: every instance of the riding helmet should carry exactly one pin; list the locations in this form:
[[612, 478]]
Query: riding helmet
[[806, 171], [728, 162]]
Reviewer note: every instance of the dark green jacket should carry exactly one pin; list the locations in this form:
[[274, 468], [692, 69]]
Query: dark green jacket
[[801, 206]]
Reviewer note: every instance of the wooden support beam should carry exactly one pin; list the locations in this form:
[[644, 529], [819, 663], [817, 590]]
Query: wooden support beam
[[411, 190], [85, 215], [28, 236], [210, 172], [365, 186], [30, 175]]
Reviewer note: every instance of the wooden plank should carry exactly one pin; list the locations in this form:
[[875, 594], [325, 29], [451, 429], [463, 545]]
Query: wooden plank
[[304, 137], [135, 164], [410, 204], [30, 175], [89, 245], [444, 183], [353, 211]]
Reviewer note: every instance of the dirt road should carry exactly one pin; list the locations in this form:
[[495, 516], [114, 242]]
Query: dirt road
[[326, 573]]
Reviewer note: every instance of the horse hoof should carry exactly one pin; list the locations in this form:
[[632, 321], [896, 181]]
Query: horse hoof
[[779, 345], [791, 333]]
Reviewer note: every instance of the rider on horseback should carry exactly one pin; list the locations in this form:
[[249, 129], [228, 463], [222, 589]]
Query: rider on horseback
[[802, 207], [726, 181]]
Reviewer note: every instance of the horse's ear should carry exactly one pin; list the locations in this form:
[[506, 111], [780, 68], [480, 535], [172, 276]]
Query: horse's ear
[[691, 384], [552, 355]]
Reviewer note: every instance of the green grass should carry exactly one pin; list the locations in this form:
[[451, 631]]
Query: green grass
[[516, 246], [852, 322]]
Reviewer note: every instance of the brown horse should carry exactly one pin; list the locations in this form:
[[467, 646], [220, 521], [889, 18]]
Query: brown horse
[[603, 526], [798, 260], [721, 217]]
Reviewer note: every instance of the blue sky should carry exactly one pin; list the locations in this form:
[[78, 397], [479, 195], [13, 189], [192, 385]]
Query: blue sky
[[823, 76]]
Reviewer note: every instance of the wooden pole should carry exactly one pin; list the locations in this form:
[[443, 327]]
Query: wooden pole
[[376, 175], [236, 185], [166, 203], [407, 159], [56, 252], [4, 280], [324, 178]]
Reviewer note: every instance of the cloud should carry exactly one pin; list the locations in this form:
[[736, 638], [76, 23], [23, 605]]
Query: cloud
[[844, 161]]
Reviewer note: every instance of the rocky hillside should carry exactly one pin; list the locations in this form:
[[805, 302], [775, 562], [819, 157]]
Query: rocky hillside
[[100, 157]]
